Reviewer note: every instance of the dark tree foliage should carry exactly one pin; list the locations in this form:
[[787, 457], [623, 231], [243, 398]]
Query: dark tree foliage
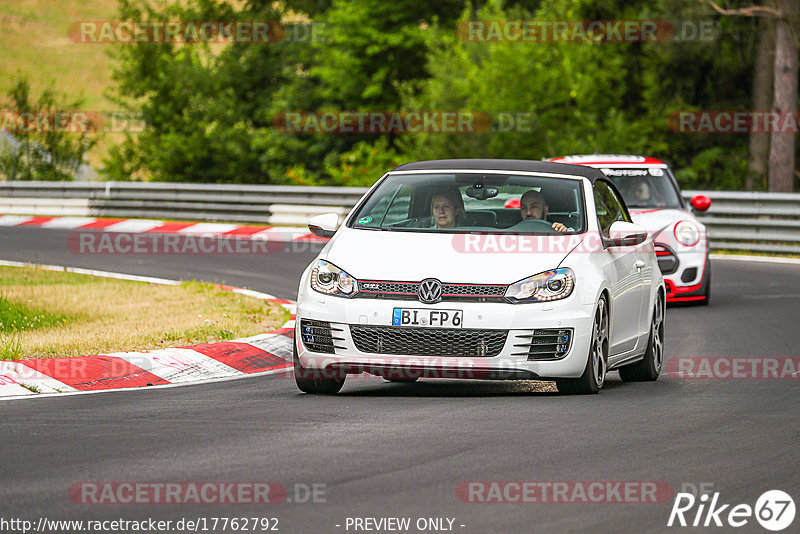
[[212, 110]]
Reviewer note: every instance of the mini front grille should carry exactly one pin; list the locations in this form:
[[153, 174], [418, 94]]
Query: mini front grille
[[544, 344], [318, 336], [450, 292], [667, 260], [428, 341]]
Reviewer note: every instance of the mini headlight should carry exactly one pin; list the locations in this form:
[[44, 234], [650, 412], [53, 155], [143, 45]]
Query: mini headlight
[[331, 280], [543, 287], [687, 233]]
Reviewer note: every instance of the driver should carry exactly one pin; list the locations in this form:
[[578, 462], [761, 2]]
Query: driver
[[640, 190], [532, 205], [446, 208]]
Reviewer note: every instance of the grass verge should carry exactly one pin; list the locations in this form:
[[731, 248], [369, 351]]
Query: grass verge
[[734, 252], [47, 314]]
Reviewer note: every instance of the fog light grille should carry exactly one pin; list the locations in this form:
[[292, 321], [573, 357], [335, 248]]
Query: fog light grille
[[319, 336], [545, 344]]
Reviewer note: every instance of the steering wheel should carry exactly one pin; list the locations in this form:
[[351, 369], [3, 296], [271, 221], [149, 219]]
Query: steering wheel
[[533, 225]]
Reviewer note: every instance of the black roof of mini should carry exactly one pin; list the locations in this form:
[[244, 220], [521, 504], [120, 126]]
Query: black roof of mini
[[523, 165]]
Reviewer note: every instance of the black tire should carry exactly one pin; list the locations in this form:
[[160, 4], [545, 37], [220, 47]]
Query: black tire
[[707, 293], [309, 381], [648, 368], [593, 377]]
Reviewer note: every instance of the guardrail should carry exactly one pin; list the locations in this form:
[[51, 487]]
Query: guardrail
[[752, 221], [261, 204], [747, 221]]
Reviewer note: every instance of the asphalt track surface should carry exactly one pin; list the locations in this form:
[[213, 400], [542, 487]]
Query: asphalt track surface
[[401, 450]]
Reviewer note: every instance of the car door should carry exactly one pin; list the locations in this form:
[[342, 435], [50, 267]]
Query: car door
[[625, 266]]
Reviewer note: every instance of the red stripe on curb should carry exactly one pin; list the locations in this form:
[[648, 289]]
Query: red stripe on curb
[[87, 373], [168, 228], [100, 224], [288, 332], [241, 356], [246, 231], [36, 221]]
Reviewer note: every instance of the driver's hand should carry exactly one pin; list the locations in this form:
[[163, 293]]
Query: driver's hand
[[558, 227]]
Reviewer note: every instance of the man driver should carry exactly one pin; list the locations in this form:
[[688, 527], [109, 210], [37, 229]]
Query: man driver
[[532, 205]]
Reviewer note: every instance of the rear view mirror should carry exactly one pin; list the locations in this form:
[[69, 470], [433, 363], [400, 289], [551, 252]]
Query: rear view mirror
[[625, 234], [480, 192], [700, 203], [324, 225]]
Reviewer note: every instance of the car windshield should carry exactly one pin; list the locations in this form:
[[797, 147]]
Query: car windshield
[[645, 187], [473, 202]]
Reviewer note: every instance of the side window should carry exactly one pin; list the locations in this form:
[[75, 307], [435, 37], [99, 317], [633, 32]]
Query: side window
[[609, 207]]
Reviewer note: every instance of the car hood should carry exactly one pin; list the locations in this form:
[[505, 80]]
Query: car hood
[[465, 258], [660, 220]]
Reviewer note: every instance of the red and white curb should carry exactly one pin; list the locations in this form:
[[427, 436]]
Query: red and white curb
[[266, 353], [204, 229]]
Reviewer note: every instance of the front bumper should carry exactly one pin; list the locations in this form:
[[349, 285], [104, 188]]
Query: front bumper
[[687, 281], [519, 320]]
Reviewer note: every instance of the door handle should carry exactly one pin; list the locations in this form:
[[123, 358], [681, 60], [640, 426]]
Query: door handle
[[639, 264]]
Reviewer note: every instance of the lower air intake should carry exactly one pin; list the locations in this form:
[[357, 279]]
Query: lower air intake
[[428, 341]]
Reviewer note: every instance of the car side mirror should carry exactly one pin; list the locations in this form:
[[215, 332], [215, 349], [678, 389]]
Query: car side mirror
[[324, 225], [625, 234], [700, 203]]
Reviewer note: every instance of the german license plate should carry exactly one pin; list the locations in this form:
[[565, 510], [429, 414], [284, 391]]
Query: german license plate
[[427, 318]]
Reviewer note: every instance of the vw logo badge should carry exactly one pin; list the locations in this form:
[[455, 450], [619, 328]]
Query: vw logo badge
[[430, 291]]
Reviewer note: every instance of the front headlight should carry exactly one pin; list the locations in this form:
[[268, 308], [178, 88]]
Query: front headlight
[[331, 280], [543, 287], [687, 233]]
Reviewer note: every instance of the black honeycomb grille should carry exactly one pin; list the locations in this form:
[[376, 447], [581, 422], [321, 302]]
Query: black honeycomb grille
[[428, 341], [452, 292]]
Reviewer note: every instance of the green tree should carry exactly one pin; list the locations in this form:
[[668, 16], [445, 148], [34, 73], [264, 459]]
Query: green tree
[[47, 138]]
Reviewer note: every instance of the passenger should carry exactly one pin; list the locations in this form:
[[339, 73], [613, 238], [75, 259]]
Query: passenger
[[532, 205], [447, 209]]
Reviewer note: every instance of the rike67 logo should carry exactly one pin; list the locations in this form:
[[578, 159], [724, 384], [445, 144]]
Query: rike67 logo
[[774, 510]]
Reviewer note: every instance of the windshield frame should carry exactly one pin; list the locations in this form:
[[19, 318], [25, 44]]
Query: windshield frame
[[581, 183]]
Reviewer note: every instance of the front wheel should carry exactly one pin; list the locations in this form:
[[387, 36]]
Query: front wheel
[[648, 368], [593, 377], [707, 293], [313, 381]]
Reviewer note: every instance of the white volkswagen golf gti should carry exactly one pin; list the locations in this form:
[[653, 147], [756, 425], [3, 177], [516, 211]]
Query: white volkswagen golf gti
[[431, 276]]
